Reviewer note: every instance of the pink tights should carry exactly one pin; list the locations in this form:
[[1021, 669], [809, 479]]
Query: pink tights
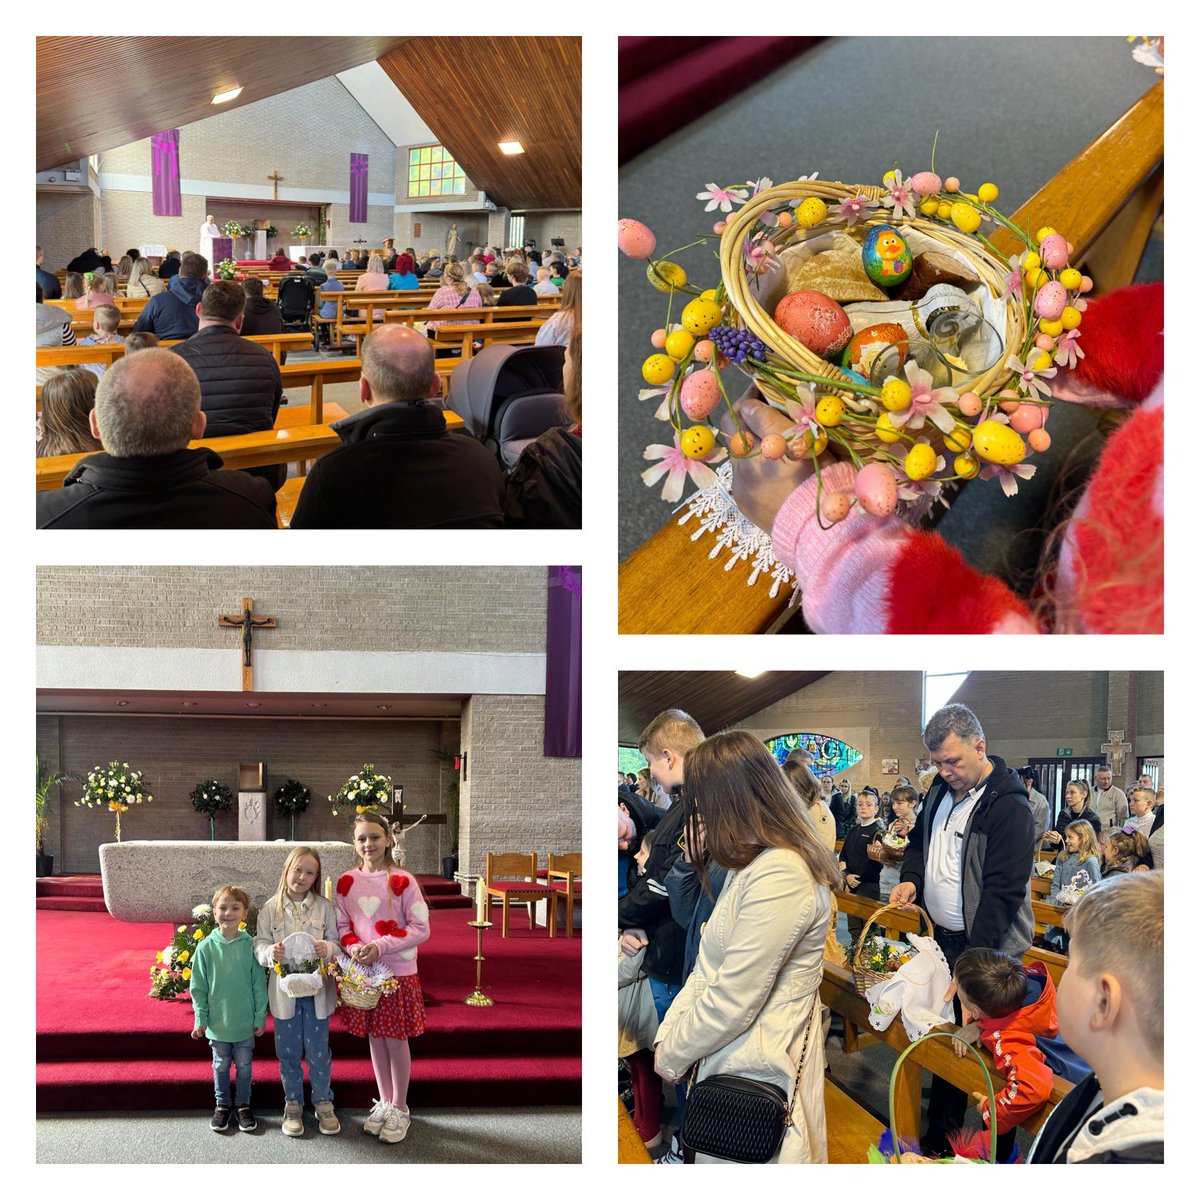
[[392, 1062]]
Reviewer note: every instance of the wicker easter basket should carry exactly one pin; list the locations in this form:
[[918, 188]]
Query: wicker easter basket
[[357, 995], [991, 271], [863, 976]]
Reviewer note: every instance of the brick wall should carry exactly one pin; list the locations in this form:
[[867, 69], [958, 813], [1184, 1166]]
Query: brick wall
[[544, 226], [480, 609], [514, 798], [472, 231], [178, 754], [67, 224]]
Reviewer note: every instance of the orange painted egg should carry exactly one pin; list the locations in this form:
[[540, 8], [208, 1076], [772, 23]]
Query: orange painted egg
[[815, 321]]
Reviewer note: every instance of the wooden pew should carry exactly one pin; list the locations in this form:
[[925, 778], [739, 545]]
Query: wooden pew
[[1104, 199], [316, 374], [630, 1147], [508, 333], [514, 312], [108, 352]]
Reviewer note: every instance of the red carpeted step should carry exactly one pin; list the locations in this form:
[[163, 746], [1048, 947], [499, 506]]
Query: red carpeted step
[[70, 885], [72, 903], [436, 1083]]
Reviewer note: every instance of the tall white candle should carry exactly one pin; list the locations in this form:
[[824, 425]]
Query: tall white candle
[[481, 900]]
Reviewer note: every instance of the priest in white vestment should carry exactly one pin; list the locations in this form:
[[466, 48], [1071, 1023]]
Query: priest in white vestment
[[208, 231]]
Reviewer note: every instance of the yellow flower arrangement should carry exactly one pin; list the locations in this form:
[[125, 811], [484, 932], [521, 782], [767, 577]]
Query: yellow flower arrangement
[[182, 956], [198, 935], [187, 972]]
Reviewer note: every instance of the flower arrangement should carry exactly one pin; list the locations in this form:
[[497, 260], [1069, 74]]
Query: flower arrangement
[[272, 233], [939, 388], [364, 792], [291, 798], [116, 787], [301, 231], [171, 975], [878, 954], [234, 229], [225, 269]]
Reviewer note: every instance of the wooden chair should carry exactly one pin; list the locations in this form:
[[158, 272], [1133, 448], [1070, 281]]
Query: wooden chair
[[513, 878], [1107, 198], [564, 873]]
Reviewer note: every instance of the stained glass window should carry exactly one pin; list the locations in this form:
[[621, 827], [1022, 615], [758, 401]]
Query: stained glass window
[[830, 756], [433, 172]]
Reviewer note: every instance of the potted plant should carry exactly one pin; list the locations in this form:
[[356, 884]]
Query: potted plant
[[366, 791], [211, 797], [292, 797], [448, 759], [116, 787], [46, 779], [226, 269], [301, 231]]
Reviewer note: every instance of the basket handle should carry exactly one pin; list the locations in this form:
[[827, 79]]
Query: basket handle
[[867, 927], [987, 1079]]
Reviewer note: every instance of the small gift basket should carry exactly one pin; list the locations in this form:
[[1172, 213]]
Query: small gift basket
[[874, 959], [1080, 882], [888, 849], [301, 972], [362, 985]]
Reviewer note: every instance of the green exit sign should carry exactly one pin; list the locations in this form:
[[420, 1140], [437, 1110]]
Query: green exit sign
[[1064, 752]]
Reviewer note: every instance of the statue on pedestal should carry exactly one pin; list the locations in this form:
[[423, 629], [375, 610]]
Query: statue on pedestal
[[452, 240]]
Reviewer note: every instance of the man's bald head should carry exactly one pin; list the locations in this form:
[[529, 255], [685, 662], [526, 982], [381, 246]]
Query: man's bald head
[[147, 405], [397, 364]]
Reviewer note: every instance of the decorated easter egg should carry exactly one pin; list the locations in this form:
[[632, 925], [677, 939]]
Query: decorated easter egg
[[1054, 250], [867, 344], [835, 506], [875, 487], [698, 442], [1027, 417], [1051, 300], [999, 444], [658, 369], [699, 394], [926, 183], [885, 256], [701, 315], [921, 461], [678, 344], [815, 321], [666, 276], [634, 238], [810, 213]]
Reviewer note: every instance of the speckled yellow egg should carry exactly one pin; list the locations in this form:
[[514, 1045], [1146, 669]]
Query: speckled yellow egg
[[897, 395], [658, 369], [810, 213], [1070, 279], [999, 444], [701, 315], [966, 466], [885, 431], [666, 275], [679, 344], [830, 410], [920, 462], [1071, 317], [929, 207], [965, 217], [698, 441], [943, 210], [988, 192], [958, 439]]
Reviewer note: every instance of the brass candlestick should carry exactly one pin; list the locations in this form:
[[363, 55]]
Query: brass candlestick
[[477, 999]]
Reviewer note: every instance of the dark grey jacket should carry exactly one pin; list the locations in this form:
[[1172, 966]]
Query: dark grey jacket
[[240, 385]]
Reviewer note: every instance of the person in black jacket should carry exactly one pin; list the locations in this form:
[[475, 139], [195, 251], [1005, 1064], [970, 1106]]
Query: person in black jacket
[[51, 288], [172, 314], [1077, 808], [519, 292], [89, 260], [398, 466], [147, 409], [862, 873], [169, 267]]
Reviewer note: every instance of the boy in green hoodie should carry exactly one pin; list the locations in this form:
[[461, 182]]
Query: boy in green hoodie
[[229, 995]]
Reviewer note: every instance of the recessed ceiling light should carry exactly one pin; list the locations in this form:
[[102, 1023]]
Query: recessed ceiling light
[[189, 704], [122, 703], [223, 97], [383, 707], [751, 674], [511, 147], [253, 704]]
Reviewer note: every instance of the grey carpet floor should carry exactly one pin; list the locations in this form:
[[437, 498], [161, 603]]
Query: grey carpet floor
[[1010, 110], [458, 1135]]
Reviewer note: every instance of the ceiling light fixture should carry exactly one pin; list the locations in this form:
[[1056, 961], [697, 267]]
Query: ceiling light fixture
[[224, 97], [189, 704], [751, 674], [122, 703], [511, 147], [253, 704]]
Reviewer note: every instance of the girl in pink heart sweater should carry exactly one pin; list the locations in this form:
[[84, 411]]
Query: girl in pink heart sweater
[[382, 917]]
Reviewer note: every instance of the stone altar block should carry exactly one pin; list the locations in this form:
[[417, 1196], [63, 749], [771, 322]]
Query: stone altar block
[[164, 881], [252, 816]]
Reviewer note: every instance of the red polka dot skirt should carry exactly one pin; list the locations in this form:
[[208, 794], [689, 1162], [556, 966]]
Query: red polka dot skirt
[[399, 1014]]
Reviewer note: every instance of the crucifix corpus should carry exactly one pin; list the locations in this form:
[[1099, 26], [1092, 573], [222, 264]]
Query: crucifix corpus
[[247, 622], [1116, 748], [276, 179]]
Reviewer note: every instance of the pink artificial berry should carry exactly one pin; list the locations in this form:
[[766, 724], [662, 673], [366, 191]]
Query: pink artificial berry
[[774, 446], [952, 184], [1044, 341], [926, 183], [702, 350], [1010, 406], [1039, 440], [741, 444], [1070, 247], [835, 506], [719, 227], [658, 339], [1086, 284], [1027, 418], [784, 220], [969, 404], [634, 238]]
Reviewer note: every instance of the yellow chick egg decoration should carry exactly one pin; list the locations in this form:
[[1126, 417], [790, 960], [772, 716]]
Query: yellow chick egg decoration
[[997, 443]]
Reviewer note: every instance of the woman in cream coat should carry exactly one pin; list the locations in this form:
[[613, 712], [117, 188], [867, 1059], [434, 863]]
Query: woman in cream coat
[[750, 1006]]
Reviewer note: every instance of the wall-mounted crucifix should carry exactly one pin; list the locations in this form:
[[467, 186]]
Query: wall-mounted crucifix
[[247, 622], [1116, 748], [276, 179]]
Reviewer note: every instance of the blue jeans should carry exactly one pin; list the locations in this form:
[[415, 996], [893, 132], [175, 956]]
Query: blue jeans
[[663, 994], [227, 1053], [304, 1035]]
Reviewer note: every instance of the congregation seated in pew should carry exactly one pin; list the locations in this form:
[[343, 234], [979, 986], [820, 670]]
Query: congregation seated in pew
[[172, 313], [68, 398]]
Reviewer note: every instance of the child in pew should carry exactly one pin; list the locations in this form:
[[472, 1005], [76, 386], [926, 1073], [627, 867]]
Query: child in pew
[[893, 843], [1123, 852], [229, 997], [106, 320], [1078, 859], [301, 1022], [96, 291], [67, 400], [1110, 1007], [862, 873], [1010, 1009]]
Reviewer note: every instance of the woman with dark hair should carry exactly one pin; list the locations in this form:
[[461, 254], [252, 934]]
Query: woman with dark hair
[[67, 400], [750, 1006]]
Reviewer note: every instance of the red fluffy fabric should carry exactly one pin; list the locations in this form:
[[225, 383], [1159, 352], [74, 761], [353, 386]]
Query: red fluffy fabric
[[351, 939], [398, 883], [390, 928], [344, 884], [1121, 337]]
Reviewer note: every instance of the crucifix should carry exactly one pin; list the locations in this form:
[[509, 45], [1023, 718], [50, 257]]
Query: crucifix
[[275, 178], [247, 622], [1115, 748]]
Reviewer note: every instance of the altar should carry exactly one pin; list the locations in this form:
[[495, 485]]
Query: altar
[[164, 881]]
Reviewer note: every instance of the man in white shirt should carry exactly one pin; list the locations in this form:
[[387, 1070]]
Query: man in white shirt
[[208, 231], [1110, 802]]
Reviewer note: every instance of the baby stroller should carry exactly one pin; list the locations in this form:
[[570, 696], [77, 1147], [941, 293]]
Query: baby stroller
[[508, 396], [296, 300]]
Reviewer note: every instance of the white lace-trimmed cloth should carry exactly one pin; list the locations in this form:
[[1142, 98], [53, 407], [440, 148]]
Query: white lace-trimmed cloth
[[300, 948], [916, 991]]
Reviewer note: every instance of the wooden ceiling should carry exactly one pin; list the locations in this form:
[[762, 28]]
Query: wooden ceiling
[[716, 699], [475, 92], [94, 93]]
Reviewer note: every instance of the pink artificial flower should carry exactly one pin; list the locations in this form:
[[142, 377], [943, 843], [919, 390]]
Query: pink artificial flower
[[759, 250], [759, 185], [1030, 380], [927, 402], [676, 466], [804, 413], [1012, 285], [1008, 475], [723, 197], [1069, 352], [853, 208], [664, 409], [902, 196]]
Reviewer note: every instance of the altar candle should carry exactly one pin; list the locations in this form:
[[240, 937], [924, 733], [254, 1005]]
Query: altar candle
[[481, 900], [328, 888]]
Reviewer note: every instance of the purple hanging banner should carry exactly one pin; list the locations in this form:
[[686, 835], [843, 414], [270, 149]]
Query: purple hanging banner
[[358, 189], [164, 173], [564, 653]]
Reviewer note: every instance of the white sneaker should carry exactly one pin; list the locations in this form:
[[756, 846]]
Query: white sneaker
[[395, 1125], [376, 1117]]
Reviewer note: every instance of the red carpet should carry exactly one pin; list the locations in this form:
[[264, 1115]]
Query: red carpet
[[105, 1045]]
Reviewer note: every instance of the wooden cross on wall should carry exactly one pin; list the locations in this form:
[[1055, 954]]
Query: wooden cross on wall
[[247, 622], [275, 178], [1115, 748]]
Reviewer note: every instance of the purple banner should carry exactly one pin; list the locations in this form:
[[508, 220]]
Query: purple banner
[[564, 653], [164, 173], [358, 189]]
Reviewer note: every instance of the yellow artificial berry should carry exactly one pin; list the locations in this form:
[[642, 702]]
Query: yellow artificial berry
[[830, 410], [1070, 279], [1071, 317], [944, 208], [1043, 233], [1036, 278], [814, 445], [920, 462], [930, 206], [678, 346], [1053, 328], [958, 439], [966, 466], [1043, 362], [666, 276], [658, 369], [885, 431], [889, 179], [988, 192], [965, 217], [1032, 261], [896, 395], [698, 441], [700, 316], [708, 294], [810, 212]]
